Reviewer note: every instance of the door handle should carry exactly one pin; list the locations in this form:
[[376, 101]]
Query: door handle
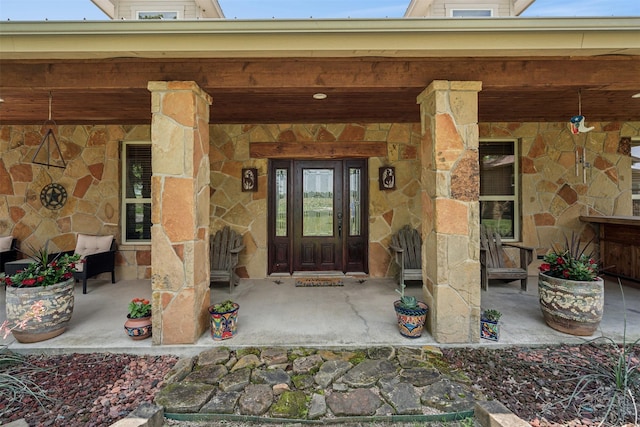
[[339, 224]]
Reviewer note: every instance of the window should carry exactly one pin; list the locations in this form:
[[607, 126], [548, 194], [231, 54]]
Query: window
[[167, 16], [635, 176], [499, 209], [136, 181], [471, 13]]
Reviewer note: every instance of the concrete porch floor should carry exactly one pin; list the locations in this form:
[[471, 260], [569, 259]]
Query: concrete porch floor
[[354, 315]]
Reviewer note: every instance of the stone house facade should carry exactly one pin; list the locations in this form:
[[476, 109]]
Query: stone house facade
[[198, 163]]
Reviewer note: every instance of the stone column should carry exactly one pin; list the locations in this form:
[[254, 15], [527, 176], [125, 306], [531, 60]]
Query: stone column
[[451, 223], [179, 211]]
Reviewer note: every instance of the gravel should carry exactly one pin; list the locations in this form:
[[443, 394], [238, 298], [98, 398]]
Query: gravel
[[534, 383]]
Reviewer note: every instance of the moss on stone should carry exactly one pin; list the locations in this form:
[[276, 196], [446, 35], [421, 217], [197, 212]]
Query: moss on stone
[[290, 405], [359, 356]]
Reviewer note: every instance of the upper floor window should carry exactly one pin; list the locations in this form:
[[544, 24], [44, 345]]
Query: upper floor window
[[471, 13], [136, 192], [170, 15], [499, 208], [635, 176]]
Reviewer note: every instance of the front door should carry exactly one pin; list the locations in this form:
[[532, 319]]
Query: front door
[[317, 216]]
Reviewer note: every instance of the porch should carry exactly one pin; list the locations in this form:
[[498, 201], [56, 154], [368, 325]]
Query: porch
[[280, 314]]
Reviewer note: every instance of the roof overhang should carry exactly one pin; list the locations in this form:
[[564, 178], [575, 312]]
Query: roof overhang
[[371, 70], [327, 38]]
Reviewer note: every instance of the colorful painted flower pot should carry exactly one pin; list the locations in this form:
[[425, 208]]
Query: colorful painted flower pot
[[138, 328], [411, 320], [224, 325]]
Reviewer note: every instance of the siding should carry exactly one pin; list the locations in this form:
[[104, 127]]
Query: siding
[[441, 8], [126, 9]]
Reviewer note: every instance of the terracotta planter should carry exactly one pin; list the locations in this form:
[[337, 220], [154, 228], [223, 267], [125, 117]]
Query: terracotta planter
[[138, 328], [569, 306], [224, 325], [58, 303], [411, 321]]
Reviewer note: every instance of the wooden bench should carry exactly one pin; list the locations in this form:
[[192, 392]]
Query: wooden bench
[[224, 248], [406, 245], [492, 260]]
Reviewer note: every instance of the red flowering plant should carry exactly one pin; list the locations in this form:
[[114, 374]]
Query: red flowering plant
[[570, 262], [139, 307], [45, 270]]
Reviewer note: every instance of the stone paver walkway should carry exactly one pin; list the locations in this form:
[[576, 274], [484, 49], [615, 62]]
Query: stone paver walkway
[[309, 384]]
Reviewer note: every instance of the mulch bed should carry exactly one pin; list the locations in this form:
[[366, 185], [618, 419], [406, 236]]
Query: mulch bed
[[534, 383]]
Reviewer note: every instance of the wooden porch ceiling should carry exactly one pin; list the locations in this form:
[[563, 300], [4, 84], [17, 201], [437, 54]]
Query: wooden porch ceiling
[[364, 90]]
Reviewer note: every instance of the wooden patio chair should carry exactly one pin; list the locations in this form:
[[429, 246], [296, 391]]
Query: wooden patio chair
[[406, 245], [224, 248], [492, 260]]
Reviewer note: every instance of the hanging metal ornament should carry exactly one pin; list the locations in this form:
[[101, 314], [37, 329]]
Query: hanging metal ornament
[[576, 124], [47, 139]]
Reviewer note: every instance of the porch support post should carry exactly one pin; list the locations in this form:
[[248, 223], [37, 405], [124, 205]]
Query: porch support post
[[179, 211], [451, 224]]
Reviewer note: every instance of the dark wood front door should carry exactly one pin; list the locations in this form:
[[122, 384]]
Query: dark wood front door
[[317, 216]]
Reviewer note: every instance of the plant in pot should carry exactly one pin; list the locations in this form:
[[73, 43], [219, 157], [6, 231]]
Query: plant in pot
[[224, 319], [410, 313], [47, 281], [138, 323], [489, 324], [570, 292]]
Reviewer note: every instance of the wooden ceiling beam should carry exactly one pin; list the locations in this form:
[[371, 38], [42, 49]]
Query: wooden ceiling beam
[[256, 74]]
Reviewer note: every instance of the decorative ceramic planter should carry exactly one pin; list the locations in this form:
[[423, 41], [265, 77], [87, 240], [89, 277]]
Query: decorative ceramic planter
[[138, 328], [411, 320], [57, 301], [489, 330], [570, 306], [224, 325]]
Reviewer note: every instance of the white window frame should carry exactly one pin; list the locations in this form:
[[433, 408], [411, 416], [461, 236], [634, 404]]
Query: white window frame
[[157, 12], [453, 11], [515, 182], [455, 7], [128, 200], [635, 142]]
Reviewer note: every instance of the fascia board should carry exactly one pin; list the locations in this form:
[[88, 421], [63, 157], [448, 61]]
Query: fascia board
[[313, 38]]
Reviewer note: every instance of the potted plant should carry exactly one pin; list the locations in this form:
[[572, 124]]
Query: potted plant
[[138, 323], [570, 292], [48, 281], [489, 324], [224, 319], [410, 313]]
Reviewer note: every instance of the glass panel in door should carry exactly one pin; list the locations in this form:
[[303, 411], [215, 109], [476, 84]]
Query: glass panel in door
[[317, 202]]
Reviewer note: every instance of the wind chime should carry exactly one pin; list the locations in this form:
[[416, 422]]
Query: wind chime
[[577, 126], [53, 196]]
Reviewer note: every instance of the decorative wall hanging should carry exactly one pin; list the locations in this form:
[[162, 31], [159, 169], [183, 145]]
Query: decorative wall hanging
[[250, 179], [49, 135], [576, 124], [53, 196], [387, 178]]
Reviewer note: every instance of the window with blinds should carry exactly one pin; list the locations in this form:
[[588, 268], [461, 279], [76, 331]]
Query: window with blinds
[[499, 209], [136, 181]]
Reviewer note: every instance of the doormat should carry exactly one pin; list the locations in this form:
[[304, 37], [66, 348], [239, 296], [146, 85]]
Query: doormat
[[318, 281]]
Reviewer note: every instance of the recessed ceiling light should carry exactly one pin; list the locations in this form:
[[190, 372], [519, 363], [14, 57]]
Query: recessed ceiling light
[[319, 95], [636, 95]]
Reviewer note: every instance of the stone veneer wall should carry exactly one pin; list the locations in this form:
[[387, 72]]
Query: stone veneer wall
[[552, 196], [246, 212], [92, 182]]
